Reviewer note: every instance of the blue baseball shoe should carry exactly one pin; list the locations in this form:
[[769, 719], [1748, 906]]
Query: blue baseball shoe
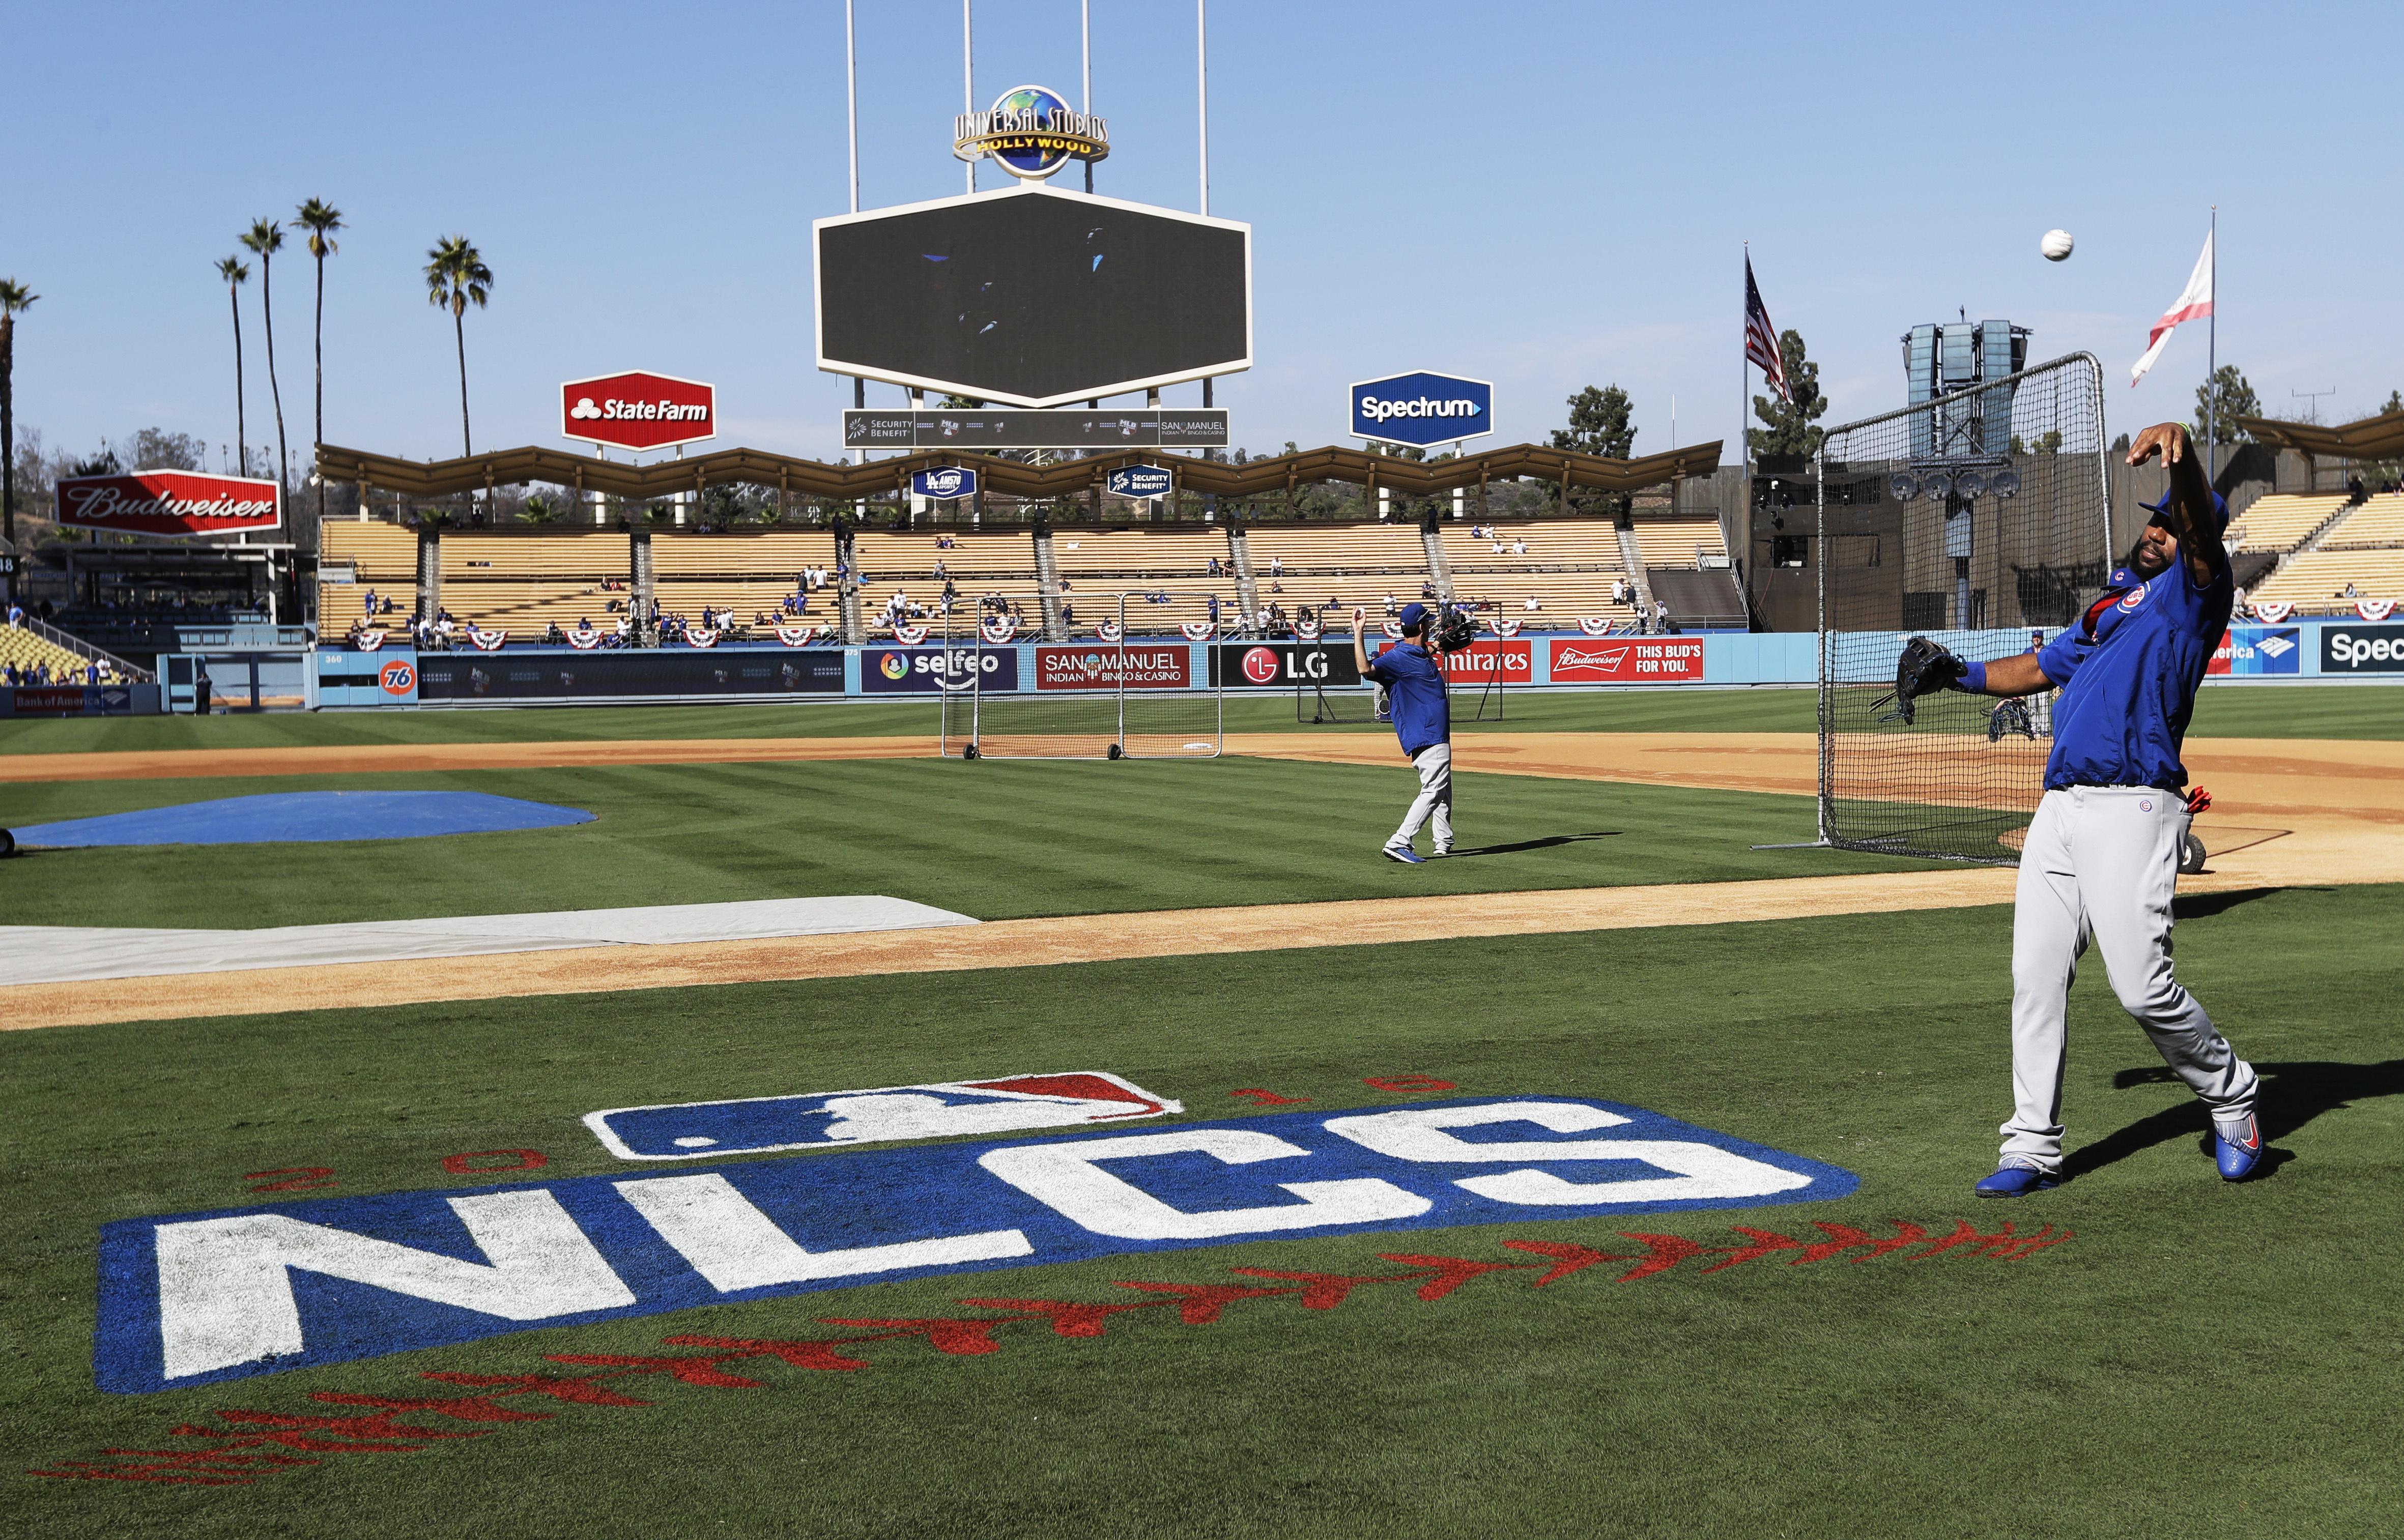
[[2236, 1148], [1404, 855], [2016, 1178]]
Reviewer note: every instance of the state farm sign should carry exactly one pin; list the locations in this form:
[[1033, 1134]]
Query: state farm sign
[[170, 502], [638, 411], [1632, 660]]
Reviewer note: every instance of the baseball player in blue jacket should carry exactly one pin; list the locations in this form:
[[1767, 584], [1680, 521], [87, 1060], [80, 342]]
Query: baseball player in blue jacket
[[2101, 859], [1422, 721]]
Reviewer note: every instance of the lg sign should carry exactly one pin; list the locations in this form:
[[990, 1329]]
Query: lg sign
[[638, 411]]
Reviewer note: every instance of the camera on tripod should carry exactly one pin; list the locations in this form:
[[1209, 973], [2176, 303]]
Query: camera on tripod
[[1450, 629]]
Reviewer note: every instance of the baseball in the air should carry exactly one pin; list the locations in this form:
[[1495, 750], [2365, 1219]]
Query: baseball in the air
[[2056, 245]]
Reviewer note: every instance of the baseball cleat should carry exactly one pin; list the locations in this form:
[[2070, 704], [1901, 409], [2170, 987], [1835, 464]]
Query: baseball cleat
[[1439, 852], [1404, 855], [2236, 1148], [2016, 1179]]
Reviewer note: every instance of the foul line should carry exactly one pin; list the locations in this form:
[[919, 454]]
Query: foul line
[[997, 943]]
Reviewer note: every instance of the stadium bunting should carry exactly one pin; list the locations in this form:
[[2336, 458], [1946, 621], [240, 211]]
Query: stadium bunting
[[909, 635], [998, 628], [582, 640], [1393, 630], [1202, 631], [1308, 628], [1595, 625], [1109, 631], [487, 640], [1505, 626], [700, 636], [369, 641], [2271, 611], [2374, 609], [801, 636]]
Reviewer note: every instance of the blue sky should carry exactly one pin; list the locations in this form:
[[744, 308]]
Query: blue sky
[[1545, 195]]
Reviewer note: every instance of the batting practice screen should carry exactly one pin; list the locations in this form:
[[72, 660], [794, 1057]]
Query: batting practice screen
[[1035, 296], [1981, 520], [1138, 688]]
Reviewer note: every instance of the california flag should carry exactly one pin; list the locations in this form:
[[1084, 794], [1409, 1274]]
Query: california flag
[[2193, 304]]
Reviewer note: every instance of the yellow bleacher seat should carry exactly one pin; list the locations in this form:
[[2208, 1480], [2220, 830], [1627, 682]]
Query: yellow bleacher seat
[[2378, 521], [2317, 579], [2279, 520], [23, 648]]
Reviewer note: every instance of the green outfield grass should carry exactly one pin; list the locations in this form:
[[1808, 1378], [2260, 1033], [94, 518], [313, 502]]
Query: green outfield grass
[[996, 840], [2197, 1359], [2305, 711]]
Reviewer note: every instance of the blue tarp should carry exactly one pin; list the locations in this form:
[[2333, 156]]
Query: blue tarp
[[307, 815]]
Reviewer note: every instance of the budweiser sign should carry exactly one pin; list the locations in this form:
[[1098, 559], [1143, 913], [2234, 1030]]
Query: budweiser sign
[[638, 411], [170, 502]]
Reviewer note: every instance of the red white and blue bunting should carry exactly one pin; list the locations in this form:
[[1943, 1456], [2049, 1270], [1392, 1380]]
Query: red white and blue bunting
[[1202, 631], [2374, 609], [1505, 626], [802, 636], [700, 636], [909, 635], [1304, 631], [1593, 625], [486, 641], [369, 640], [998, 628], [1394, 629], [2273, 611], [584, 641], [1109, 631]]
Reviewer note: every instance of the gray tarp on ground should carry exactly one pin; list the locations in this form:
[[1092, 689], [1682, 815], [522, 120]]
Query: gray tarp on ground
[[44, 954]]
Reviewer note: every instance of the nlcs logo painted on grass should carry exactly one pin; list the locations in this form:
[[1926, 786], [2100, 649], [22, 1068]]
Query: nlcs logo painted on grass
[[191, 1298]]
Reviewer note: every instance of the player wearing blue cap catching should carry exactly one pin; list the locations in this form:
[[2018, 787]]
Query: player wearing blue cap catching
[[1422, 720], [2101, 858]]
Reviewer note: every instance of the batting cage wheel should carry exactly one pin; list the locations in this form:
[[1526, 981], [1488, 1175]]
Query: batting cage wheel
[[969, 751], [1117, 752], [7, 844], [1981, 521], [2191, 855]]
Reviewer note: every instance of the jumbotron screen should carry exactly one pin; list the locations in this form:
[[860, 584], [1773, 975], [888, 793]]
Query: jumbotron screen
[[1033, 297]]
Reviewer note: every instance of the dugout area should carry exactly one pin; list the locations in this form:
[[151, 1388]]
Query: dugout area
[[1865, 1360]]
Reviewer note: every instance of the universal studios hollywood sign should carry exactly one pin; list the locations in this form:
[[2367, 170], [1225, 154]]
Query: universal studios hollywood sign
[[1030, 132]]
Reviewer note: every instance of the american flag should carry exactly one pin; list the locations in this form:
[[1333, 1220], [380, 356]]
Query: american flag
[[1761, 337]]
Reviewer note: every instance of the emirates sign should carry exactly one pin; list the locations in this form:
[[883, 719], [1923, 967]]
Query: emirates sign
[[638, 411], [170, 502]]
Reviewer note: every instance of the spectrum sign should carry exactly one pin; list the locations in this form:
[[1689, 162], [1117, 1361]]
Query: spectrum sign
[[638, 411], [170, 502], [1422, 409]]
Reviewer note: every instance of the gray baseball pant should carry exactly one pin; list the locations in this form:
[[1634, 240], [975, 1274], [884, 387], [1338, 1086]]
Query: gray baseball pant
[[1434, 765], [2102, 862]]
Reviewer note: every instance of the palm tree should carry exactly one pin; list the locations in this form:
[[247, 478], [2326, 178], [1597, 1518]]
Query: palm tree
[[14, 297], [456, 278], [230, 269], [321, 219], [266, 238]]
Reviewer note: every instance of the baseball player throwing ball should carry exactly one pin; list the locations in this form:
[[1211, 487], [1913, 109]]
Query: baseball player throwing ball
[[2101, 860], [1423, 722]]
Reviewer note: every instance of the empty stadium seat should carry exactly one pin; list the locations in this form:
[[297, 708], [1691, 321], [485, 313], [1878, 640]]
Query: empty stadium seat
[[2280, 520]]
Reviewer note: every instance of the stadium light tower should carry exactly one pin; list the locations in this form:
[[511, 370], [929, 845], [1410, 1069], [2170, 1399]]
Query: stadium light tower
[[1962, 451]]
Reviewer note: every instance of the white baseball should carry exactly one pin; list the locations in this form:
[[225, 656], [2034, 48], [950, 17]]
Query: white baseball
[[2057, 245]]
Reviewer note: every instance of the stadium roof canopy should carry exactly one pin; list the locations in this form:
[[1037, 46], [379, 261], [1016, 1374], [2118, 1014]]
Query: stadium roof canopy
[[2380, 437], [816, 477]]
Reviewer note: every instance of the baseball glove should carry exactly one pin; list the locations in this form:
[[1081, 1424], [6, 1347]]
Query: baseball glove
[[1923, 669], [2010, 716]]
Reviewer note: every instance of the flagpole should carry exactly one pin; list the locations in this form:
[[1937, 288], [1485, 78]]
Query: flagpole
[[2212, 354], [1744, 396]]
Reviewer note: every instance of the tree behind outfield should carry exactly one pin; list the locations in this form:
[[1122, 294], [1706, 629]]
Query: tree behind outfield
[[1787, 425], [2228, 396], [1598, 424]]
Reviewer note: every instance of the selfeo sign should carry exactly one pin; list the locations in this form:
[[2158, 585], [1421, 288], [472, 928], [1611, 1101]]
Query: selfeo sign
[[638, 411], [170, 502], [1420, 407]]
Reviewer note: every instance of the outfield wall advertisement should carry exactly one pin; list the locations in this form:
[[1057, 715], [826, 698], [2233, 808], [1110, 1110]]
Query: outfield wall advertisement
[[401, 676]]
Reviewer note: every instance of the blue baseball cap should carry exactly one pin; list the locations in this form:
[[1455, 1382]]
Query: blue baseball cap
[[1412, 614], [2219, 508]]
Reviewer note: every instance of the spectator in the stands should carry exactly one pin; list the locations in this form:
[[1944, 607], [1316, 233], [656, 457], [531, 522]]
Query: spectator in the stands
[[16, 616], [1212, 569], [1520, 547], [1276, 566], [1531, 607], [1392, 608]]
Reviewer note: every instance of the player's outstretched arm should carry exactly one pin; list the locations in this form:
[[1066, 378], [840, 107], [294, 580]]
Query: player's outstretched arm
[[2191, 513], [2006, 677], [1360, 648]]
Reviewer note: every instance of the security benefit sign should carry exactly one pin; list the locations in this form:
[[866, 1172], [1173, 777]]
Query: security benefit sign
[[1282, 665], [2362, 649], [1103, 666], [923, 671], [2257, 649], [170, 502], [1628, 661], [1146, 481], [186, 1299]]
